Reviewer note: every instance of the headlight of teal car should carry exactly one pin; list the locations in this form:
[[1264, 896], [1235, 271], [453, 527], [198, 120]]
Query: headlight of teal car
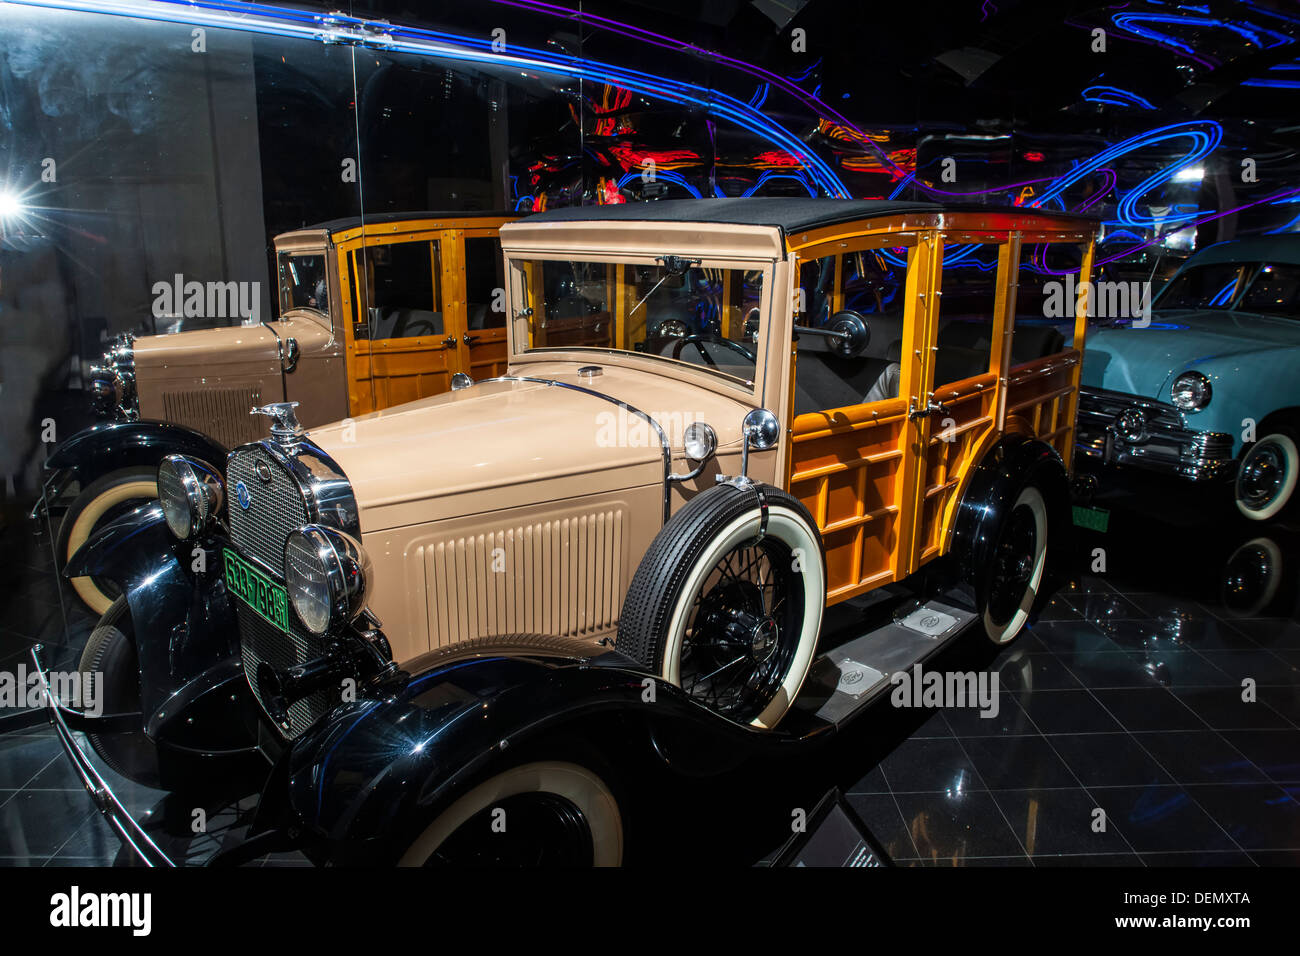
[[1191, 391]]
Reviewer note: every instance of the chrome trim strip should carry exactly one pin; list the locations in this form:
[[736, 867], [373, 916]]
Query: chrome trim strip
[[663, 438], [119, 818]]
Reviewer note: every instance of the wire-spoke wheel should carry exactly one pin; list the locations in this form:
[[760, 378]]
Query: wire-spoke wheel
[[728, 607]]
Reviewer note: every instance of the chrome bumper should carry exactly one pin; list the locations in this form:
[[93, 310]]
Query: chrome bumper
[[1121, 429], [64, 719]]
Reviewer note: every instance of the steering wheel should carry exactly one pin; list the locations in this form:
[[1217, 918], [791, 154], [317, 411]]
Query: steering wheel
[[699, 340]]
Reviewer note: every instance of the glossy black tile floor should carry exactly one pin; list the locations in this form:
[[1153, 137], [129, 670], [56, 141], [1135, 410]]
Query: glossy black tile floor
[[1124, 702]]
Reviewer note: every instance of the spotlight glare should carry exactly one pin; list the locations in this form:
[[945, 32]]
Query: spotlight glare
[[11, 206]]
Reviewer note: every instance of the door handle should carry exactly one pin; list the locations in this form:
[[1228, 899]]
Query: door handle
[[449, 342], [468, 339], [932, 408]]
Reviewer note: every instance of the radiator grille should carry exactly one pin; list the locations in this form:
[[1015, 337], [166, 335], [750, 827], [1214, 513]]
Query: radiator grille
[[275, 508], [560, 577], [262, 641], [219, 412]]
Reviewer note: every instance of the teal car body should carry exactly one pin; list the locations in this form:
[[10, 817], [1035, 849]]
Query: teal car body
[[1230, 315]]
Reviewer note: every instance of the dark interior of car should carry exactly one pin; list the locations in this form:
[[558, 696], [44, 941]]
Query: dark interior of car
[[825, 379]]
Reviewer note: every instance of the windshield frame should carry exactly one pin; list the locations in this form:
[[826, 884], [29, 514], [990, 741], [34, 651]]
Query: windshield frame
[[750, 391]]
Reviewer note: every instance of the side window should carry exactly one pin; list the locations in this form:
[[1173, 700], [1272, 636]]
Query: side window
[[1046, 297], [969, 282], [483, 277], [403, 290], [303, 282], [871, 283], [816, 291]]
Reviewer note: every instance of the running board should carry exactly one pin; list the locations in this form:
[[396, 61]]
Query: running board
[[850, 676]]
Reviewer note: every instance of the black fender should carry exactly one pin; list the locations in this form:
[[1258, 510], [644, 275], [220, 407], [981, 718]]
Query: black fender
[[361, 783], [996, 481], [193, 694], [109, 446]]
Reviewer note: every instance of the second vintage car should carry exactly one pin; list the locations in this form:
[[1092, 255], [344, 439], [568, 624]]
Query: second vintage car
[[665, 526], [373, 311]]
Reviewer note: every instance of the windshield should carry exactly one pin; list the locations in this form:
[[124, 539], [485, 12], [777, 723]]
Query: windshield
[[676, 309], [303, 282], [1212, 286]]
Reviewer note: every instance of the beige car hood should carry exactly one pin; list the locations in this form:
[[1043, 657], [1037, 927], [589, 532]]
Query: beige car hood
[[228, 345], [499, 445]]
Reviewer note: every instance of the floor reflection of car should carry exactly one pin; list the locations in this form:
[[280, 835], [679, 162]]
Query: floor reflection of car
[[1208, 389]]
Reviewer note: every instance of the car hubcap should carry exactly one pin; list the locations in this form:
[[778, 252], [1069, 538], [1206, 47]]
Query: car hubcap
[[1262, 475]]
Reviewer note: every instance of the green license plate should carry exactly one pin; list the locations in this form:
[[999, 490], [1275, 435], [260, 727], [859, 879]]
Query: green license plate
[[1094, 519], [256, 590]]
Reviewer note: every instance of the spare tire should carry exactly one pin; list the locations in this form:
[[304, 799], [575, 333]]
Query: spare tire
[[727, 602]]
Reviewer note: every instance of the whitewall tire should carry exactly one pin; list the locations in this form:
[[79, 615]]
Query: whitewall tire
[[483, 818], [1267, 476], [1018, 562]]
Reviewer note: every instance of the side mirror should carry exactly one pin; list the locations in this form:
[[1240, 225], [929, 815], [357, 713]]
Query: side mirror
[[761, 429], [852, 334]]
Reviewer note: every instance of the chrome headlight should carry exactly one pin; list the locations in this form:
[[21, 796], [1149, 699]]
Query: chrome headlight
[[191, 494], [700, 441], [673, 329], [328, 575], [1191, 391]]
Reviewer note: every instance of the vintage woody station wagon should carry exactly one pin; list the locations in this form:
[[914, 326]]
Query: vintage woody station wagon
[[373, 312], [864, 389]]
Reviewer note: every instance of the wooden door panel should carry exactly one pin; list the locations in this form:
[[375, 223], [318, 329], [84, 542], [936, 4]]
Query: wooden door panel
[[1039, 396], [846, 466], [403, 374], [489, 354], [952, 438], [954, 435]]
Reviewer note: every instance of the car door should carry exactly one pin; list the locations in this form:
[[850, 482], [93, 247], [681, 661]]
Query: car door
[[953, 415], [855, 457], [405, 341], [475, 274]]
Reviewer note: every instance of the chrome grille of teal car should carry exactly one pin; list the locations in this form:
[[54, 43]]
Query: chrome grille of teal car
[[1143, 432]]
